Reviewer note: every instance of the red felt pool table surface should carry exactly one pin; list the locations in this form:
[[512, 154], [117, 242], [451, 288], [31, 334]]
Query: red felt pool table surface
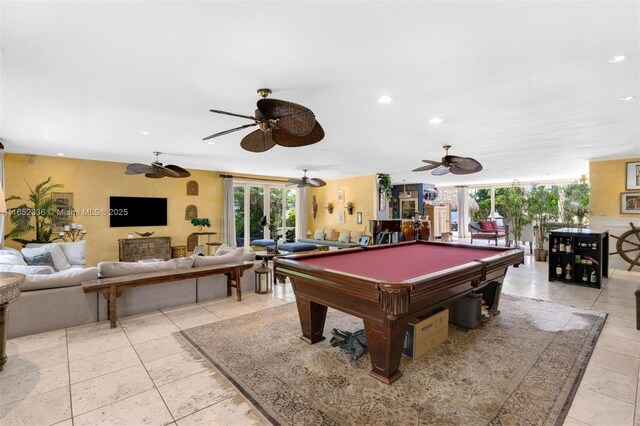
[[397, 263]]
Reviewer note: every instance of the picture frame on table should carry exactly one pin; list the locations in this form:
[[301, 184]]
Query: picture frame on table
[[341, 196], [630, 202], [633, 175]]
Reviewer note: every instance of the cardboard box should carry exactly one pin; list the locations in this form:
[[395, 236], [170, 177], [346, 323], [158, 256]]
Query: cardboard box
[[426, 333]]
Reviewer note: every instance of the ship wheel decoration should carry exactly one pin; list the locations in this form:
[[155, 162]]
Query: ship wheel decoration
[[628, 246]]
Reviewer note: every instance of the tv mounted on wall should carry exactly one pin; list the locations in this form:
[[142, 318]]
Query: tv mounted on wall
[[137, 211]]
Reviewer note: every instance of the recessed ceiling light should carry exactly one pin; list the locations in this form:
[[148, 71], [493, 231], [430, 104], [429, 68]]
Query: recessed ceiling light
[[436, 120], [627, 98], [384, 99], [616, 59], [211, 143], [60, 154], [145, 133]]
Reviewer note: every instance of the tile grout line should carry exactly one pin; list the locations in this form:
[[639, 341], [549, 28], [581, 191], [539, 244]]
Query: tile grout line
[[66, 341]]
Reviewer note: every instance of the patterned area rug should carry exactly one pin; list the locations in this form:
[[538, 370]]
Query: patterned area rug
[[521, 367]]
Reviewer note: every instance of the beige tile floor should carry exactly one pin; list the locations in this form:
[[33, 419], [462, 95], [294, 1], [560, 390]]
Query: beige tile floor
[[144, 373]]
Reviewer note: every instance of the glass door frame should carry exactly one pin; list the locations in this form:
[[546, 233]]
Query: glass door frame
[[266, 206]]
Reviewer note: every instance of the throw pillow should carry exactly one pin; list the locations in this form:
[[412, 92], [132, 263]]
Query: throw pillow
[[330, 234], [485, 225], [344, 236], [319, 235], [232, 257], [10, 258], [43, 259], [60, 262], [355, 236], [224, 249], [494, 225]]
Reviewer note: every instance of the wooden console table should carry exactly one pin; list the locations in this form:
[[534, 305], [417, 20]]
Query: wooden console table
[[9, 291], [133, 249]]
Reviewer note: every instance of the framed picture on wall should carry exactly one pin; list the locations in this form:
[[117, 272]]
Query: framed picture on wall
[[63, 204], [341, 217], [633, 175], [630, 202], [341, 196], [382, 201], [359, 218]]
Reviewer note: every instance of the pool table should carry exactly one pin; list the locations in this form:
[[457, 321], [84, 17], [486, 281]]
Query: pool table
[[388, 286]]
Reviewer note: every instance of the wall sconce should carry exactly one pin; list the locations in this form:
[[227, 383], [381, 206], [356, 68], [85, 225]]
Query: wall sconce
[[350, 207], [329, 208]]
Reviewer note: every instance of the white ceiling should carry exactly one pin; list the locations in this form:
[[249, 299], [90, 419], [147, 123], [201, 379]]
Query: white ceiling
[[523, 87]]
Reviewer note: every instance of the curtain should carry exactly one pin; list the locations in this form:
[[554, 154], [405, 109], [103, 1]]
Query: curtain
[[228, 214], [302, 212], [463, 210]]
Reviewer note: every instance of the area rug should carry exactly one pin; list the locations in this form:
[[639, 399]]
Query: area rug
[[520, 367]]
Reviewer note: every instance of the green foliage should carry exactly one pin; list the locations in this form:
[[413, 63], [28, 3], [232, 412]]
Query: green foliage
[[201, 222], [542, 209], [386, 185], [576, 202], [512, 204], [42, 212]]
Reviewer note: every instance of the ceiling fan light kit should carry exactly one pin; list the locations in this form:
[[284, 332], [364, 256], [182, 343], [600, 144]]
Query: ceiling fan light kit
[[306, 181], [156, 170], [451, 164], [279, 123]]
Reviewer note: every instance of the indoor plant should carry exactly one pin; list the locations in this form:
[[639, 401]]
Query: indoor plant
[[543, 209], [42, 210], [385, 184], [512, 203]]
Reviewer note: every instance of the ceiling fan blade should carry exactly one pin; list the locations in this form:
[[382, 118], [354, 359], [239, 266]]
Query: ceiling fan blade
[[425, 168], [181, 172], [156, 175], [465, 165], [283, 138], [167, 172], [317, 182], [258, 141], [138, 168], [303, 185], [432, 162], [293, 181], [440, 170], [226, 132], [217, 111], [292, 118]]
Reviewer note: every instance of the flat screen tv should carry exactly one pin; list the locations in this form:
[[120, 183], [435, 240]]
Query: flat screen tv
[[137, 211]]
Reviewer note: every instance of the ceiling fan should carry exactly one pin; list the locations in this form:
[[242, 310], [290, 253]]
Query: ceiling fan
[[306, 181], [451, 164], [156, 170], [280, 123]]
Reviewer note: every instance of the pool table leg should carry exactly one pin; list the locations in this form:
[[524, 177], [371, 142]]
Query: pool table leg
[[385, 349], [312, 316]]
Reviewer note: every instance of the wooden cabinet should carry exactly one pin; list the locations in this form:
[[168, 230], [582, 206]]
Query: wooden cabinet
[[133, 249], [440, 217], [578, 256]]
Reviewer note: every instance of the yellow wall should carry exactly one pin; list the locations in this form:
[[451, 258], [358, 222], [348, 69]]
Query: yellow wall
[[92, 182], [607, 180], [360, 190]]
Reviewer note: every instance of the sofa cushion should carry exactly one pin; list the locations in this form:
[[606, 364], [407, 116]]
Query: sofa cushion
[[295, 247], [68, 278], [223, 249], [319, 235], [75, 251], [183, 262], [39, 258], [263, 243], [344, 236], [27, 270], [119, 269], [9, 250], [249, 256], [11, 258], [330, 234], [231, 257], [485, 225]]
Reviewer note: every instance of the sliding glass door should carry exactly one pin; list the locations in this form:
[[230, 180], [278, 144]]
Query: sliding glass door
[[253, 202]]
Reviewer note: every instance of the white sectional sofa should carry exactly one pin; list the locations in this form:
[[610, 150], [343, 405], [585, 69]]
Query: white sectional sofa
[[53, 299]]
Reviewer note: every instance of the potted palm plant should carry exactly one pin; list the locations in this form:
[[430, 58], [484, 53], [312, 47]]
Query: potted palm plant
[[512, 203], [542, 209], [42, 211]]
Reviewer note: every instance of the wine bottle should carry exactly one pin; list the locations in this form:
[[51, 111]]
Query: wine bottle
[[585, 276], [567, 246], [554, 248], [594, 276], [567, 269], [559, 270], [561, 248]]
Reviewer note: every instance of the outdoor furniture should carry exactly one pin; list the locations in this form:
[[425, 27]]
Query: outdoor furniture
[[487, 230]]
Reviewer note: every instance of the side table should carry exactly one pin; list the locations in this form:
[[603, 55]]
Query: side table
[[267, 256], [9, 291]]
